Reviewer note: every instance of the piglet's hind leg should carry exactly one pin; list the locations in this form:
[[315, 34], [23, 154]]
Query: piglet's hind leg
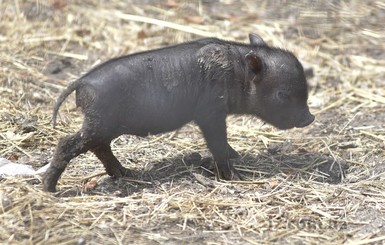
[[68, 148], [111, 164]]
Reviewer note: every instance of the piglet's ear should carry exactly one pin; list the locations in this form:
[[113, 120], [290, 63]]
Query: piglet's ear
[[254, 62], [256, 40]]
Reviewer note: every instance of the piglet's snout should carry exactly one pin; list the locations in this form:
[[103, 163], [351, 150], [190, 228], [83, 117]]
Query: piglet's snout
[[306, 119]]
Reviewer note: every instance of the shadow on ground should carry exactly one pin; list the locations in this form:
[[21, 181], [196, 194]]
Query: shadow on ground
[[185, 170]]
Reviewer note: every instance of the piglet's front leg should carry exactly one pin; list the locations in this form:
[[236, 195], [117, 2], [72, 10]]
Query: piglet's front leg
[[214, 131]]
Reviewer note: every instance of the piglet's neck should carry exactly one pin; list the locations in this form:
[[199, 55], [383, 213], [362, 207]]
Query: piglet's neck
[[241, 89]]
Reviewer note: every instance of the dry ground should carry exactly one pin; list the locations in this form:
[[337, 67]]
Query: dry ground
[[324, 184]]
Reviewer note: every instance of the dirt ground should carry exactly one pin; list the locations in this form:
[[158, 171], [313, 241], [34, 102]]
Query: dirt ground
[[323, 184]]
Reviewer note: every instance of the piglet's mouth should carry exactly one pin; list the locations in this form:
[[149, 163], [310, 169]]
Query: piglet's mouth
[[307, 121]]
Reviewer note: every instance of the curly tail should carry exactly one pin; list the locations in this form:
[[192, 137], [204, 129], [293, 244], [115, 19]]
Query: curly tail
[[72, 87]]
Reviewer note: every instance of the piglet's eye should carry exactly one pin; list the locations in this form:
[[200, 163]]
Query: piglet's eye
[[283, 96]]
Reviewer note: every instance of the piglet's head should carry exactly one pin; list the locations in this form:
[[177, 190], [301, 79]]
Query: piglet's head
[[276, 86]]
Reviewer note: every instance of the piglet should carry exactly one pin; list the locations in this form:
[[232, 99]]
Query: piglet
[[161, 90]]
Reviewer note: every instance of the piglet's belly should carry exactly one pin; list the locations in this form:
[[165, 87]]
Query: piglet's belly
[[151, 125]]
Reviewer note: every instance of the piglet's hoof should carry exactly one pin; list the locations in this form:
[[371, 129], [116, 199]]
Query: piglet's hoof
[[119, 172], [228, 174], [49, 185], [50, 178]]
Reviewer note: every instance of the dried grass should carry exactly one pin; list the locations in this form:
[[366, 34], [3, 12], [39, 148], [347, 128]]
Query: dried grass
[[298, 189]]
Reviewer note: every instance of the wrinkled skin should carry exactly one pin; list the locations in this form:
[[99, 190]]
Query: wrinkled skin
[[161, 90]]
